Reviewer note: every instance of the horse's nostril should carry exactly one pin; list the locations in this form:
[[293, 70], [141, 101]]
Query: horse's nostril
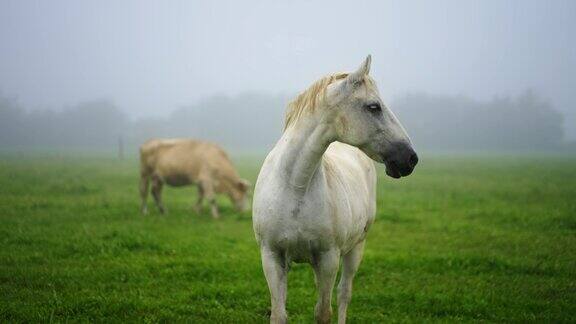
[[413, 159]]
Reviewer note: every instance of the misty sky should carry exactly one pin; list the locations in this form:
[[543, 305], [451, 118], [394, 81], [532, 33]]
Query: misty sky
[[152, 57]]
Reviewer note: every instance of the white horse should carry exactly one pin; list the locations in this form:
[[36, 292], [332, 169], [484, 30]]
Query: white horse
[[315, 197]]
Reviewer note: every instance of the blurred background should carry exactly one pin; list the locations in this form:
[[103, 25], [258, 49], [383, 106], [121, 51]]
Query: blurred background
[[460, 75]]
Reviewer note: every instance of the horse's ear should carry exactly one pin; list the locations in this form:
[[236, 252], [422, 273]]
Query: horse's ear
[[358, 75]]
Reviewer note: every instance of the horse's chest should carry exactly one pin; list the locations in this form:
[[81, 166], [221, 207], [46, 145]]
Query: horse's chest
[[302, 240], [305, 224]]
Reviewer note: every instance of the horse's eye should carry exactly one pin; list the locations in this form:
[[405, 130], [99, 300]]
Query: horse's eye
[[374, 107]]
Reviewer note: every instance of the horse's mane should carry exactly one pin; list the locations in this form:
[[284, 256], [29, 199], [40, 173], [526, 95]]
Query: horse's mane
[[310, 98]]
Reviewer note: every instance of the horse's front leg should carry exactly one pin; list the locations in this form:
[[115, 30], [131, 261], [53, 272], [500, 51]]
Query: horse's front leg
[[325, 271], [350, 263], [276, 272]]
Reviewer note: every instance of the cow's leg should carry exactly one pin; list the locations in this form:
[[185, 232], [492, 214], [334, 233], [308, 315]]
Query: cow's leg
[[144, 186], [325, 271], [210, 194], [350, 263], [276, 273], [157, 193], [198, 206]]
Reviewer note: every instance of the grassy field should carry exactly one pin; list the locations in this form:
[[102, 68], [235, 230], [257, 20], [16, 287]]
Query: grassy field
[[462, 239]]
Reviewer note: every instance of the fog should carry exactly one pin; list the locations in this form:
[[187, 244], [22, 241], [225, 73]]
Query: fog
[[480, 75]]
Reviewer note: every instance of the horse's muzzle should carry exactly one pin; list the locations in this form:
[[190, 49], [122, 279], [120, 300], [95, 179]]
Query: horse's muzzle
[[400, 160]]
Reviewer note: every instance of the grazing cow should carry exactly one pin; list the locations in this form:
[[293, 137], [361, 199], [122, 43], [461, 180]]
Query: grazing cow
[[182, 162]]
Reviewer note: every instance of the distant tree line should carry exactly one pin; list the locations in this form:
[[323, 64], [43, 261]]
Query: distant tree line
[[253, 121], [526, 122], [91, 124]]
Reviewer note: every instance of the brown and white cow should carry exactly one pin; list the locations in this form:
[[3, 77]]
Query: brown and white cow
[[182, 162]]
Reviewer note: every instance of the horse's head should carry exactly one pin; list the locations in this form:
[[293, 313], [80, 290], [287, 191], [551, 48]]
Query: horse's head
[[361, 119]]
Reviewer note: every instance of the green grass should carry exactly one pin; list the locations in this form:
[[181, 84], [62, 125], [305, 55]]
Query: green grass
[[462, 239]]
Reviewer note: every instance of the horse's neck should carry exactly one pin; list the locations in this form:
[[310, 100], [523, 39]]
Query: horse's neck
[[301, 150]]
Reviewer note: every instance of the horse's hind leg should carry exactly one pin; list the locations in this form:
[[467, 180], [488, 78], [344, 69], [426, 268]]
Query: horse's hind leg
[[350, 263], [276, 271], [325, 270], [144, 185], [157, 193]]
